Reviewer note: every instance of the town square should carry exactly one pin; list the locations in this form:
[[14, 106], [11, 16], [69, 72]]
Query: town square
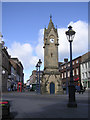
[[44, 60]]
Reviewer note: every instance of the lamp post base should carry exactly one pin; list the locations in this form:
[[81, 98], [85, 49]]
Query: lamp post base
[[72, 104], [72, 101]]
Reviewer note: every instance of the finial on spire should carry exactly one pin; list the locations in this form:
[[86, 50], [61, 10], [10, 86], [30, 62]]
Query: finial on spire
[[50, 16], [45, 27]]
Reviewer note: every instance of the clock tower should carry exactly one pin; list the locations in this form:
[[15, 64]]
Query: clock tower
[[51, 81]]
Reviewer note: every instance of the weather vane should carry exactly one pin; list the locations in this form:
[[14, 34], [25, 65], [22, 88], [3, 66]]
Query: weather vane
[[50, 16]]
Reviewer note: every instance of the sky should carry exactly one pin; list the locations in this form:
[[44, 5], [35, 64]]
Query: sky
[[23, 26]]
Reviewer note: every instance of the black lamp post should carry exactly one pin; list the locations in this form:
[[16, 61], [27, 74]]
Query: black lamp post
[[37, 78], [72, 102], [39, 65], [66, 63]]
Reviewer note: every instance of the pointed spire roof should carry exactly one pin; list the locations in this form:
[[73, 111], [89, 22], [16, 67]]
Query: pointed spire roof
[[51, 25]]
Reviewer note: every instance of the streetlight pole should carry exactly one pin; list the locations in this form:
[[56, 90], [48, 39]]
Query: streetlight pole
[[66, 63], [72, 102], [39, 64], [37, 78], [1, 63]]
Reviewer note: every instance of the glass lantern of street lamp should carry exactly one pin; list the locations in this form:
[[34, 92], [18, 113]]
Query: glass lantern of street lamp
[[70, 34], [40, 62], [3, 72]]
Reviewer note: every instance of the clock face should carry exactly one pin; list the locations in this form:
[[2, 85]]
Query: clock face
[[51, 40]]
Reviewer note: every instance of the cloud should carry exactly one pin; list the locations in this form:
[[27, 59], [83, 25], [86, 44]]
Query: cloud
[[80, 42], [24, 53], [39, 48]]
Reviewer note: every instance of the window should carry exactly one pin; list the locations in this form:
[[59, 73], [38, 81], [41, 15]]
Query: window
[[73, 73], [82, 66], [86, 75], [77, 71], [76, 61], [73, 62], [68, 73], [82, 75], [51, 54], [64, 66], [62, 75], [88, 64], [69, 65], [88, 84]]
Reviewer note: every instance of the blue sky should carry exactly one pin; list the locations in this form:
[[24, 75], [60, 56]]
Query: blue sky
[[23, 24]]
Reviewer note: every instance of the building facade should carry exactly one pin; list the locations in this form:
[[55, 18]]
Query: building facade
[[64, 69], [51, 82], [11, 70], [16, 72], [5, 69], [85, 70]]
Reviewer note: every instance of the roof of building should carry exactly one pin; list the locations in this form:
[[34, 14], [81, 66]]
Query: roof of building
[[85, 57], [5, 51], [17, 61], [63, 63]]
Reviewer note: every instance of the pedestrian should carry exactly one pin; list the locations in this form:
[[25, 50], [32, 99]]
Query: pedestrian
[[81, 87], [11, 87], [78, 89]]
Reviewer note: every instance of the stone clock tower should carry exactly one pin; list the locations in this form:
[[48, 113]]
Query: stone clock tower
[[51, 81]]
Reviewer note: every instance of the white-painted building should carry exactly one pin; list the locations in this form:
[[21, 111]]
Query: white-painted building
[[85, 70]]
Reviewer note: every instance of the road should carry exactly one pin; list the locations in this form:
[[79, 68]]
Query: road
[[31, 105]]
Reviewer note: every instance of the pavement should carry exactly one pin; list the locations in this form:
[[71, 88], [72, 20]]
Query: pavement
[[32, 105]]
